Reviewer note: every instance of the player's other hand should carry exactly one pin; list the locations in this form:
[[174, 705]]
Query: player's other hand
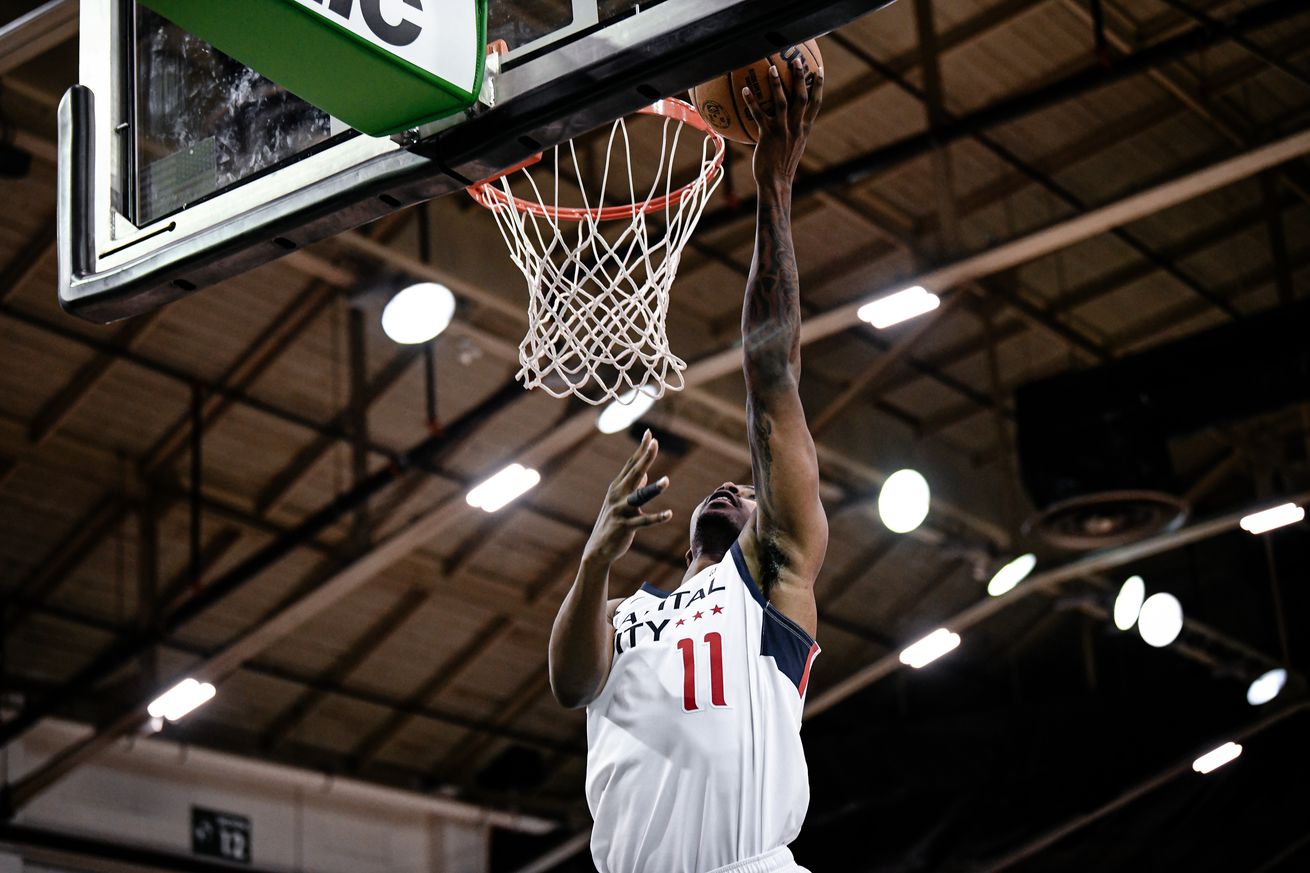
[[785, 124], [621, 514]]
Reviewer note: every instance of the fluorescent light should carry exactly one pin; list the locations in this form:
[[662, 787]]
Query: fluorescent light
[[1271, 519], [1128, 605], [1011, 574], [898, 307], [1161, 620], [1267, 687], [418, 313], [903, 501], [1216, 758], [500, 489], [629, 407], [180, 699], [930, 648]]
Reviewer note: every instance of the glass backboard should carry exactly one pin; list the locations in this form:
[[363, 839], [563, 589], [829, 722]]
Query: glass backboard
[[180, 167]]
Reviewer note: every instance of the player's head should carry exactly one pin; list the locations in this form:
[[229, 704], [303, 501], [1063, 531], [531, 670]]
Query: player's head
[[719, 518]]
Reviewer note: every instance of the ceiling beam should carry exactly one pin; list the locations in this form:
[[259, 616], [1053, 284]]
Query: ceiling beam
[[431, 517], [446, 672], [1142, 333], [861, 168], [1008, 157], [28, 36], [65, 401], [307, 681], [31, 255], [1226, 119], [1001, 258], [1045, 241]]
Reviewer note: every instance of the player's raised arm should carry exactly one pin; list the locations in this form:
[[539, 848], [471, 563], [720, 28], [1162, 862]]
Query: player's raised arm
[[787, 541], [582, 639]]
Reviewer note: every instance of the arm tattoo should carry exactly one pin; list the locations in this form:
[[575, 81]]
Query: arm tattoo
[[770, 330], [772, 558], [771, 318]]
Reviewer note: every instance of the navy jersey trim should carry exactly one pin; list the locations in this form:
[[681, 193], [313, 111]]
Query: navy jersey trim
[[744, 572], [791, 648], [651, 589], [782, 639]]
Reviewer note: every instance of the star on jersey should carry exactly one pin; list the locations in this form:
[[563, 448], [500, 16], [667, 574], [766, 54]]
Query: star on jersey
[[634, 630], [717, 609]]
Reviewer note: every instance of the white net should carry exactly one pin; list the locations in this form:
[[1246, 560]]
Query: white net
[[599, 274]]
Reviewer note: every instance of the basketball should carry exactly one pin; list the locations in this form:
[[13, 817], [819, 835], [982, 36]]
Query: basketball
[[719, 100]]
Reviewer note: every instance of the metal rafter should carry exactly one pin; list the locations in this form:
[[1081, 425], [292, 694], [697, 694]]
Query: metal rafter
[[379, 633], [281, 673], [55, 411], [1253, 281], [1090, 224], [264, 351], [295, 470], [1029, 174], [1011, 159]]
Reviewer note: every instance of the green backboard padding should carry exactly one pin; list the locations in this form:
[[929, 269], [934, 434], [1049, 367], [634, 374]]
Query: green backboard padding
[[326, 64]]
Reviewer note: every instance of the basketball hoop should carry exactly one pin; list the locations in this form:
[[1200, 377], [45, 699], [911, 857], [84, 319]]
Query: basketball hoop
[[599, 273]]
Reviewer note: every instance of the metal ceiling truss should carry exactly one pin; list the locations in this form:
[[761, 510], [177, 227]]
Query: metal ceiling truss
[[959, 129]]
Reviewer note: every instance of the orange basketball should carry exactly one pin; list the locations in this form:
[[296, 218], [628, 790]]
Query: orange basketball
[[719, 100]]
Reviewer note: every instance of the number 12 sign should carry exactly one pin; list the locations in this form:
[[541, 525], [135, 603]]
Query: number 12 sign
[[220, 835]]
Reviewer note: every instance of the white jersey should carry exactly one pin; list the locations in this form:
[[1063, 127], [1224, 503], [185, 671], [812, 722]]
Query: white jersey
[[694, 757]]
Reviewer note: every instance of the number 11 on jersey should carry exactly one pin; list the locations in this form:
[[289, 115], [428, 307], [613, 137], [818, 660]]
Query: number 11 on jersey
[[714, 641]]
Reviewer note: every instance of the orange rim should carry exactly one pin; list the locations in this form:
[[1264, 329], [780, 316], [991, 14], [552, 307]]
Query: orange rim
[[681, 111]]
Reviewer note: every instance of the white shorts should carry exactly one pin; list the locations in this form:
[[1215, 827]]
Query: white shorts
[[780, 860]]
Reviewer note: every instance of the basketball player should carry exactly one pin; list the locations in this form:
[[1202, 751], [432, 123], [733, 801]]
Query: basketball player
[[694, 692]]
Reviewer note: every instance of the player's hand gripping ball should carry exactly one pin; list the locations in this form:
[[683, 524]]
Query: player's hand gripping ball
[[719, 101], [785, 123], [621, 514]]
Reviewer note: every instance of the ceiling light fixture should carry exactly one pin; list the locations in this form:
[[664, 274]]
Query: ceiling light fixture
[[418, 313], [901, 306], [626, 409], [1160, 620], [181, 699], [930, 648], [498, 491], [1216, 758], [1128, 605], [1267, 687], [1012, 574], [903, 501], [1272, 519]]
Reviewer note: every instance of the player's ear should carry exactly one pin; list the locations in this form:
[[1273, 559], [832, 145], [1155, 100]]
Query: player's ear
[[688, 557]]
